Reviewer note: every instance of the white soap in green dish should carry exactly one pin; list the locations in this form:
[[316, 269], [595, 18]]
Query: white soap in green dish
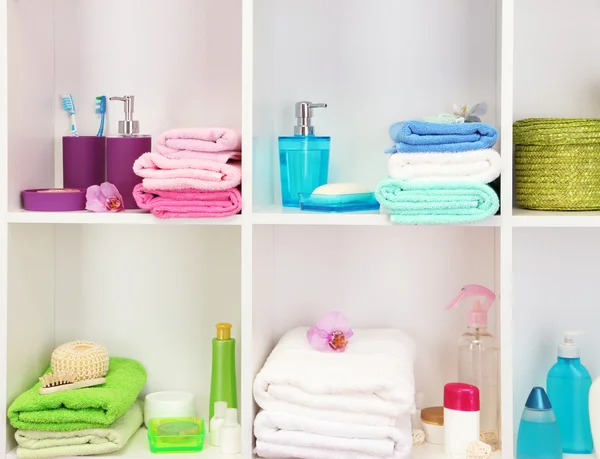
[[339, 193]]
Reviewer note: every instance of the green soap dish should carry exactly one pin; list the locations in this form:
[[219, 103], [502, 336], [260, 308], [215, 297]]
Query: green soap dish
[[176, 435]]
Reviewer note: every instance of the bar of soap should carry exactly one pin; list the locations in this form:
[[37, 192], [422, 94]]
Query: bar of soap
[[334, 189], [177, 428]]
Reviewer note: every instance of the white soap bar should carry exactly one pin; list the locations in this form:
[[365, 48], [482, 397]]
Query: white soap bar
[[333, 189]]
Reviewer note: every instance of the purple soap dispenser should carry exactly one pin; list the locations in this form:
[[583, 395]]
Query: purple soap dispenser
[[123, 150]]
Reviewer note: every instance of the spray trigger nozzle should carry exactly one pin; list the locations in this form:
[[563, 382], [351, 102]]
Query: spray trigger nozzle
[[483, 300]]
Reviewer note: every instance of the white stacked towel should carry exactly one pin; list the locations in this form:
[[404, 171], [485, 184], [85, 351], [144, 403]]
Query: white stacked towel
[[351, 405], [481, 166]]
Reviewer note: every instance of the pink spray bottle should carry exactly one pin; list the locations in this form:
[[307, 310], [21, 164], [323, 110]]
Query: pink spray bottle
[[478, 358]]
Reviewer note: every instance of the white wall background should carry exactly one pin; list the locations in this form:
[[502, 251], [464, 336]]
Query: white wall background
[[374, 63], [379, 277]]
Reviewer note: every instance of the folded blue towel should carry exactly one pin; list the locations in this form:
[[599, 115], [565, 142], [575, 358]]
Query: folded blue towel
[[421, 136], [436, 203]]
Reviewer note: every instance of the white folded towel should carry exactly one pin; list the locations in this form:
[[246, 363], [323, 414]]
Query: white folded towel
[[371, 383], [280, 434], [481, 166]]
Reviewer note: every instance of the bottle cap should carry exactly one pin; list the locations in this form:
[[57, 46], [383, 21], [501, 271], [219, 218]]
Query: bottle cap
[[231, 417], [461, 397], [433, 415], [223, 331], [220, 409], [569, 349], [538, 400]]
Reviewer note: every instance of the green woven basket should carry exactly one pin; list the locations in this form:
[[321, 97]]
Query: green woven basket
[[557, 163]]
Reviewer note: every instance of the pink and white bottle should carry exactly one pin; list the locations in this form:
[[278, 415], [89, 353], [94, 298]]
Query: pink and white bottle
[[461, 418]]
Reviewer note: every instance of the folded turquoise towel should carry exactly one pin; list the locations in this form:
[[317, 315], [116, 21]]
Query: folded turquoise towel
[[436, 203], [421, 136]]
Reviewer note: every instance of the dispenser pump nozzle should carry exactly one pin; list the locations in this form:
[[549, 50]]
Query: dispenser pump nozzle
[[128, 127], [303, 117], [569, 349], [484, 298]]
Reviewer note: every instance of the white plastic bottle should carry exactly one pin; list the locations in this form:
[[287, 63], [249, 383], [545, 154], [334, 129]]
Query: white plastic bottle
[[217, 422], [461, 418], [595, 410], [231, 434]]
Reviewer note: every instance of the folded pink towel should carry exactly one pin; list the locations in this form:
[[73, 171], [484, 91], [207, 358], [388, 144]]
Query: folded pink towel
[[188, 203], [216, 144], [161, 173]]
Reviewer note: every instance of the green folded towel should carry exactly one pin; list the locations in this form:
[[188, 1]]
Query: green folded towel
[[77, 409], [436, 203], [35, 444]]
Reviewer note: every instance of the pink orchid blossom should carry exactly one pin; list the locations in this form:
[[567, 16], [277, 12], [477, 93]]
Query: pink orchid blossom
[[104, 198], [331, 333]]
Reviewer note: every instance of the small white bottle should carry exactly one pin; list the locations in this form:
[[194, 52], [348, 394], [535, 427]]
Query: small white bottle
[[217, 422], [231, 433], [461, 418], [594, 401]]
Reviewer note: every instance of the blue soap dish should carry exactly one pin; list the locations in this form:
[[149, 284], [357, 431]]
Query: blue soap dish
[[338, 202]]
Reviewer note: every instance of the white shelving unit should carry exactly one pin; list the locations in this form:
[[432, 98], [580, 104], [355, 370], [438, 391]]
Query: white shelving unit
[[152, 290]]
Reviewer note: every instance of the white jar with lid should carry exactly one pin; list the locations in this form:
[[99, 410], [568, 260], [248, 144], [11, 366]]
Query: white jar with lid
[[432, 420], [461, 418], [169, 404]]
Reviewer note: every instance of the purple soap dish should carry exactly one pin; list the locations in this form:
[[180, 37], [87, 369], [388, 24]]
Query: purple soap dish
[[54, 199]]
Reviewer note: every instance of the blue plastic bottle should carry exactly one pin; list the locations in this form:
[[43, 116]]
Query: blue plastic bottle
[[568, 387], [539, 434], [303, 158]]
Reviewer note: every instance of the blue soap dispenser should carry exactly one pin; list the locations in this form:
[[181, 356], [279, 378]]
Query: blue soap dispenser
[[303, 158], [568, 386]]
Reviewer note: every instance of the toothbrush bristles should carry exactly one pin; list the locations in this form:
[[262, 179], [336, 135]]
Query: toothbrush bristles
[[100, 105], [68, 103], [56, 379]]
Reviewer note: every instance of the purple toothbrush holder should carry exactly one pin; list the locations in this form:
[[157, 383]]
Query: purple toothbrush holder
[[84, 161]]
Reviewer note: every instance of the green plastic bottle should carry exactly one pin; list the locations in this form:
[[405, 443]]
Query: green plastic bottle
[[223, 387]]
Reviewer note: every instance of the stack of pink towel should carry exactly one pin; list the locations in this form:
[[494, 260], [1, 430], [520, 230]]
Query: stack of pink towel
[[194, 173]]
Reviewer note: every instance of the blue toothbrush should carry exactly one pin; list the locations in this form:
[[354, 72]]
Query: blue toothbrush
[[101, 110], [69, 106]]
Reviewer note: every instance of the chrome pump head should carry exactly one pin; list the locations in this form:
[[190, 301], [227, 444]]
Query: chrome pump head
[[128, 127], [303, 117]]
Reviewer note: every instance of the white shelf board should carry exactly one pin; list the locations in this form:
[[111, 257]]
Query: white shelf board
[[137, 447], [275, 215], [553, 219], [128, 217], [429, 451]]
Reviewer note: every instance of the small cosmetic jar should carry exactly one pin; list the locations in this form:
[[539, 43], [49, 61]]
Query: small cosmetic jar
[[432, 419], [169, 404], [54, 199]]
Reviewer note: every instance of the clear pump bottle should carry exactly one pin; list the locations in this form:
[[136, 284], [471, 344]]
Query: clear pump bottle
[[478, 359]]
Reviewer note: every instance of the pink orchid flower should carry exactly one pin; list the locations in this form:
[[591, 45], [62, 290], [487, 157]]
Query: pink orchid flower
[[331, 333], [104, 198]]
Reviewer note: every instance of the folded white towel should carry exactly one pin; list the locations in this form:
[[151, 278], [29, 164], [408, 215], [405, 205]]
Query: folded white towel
[[371, 383], [481, 166], [280, 434]]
